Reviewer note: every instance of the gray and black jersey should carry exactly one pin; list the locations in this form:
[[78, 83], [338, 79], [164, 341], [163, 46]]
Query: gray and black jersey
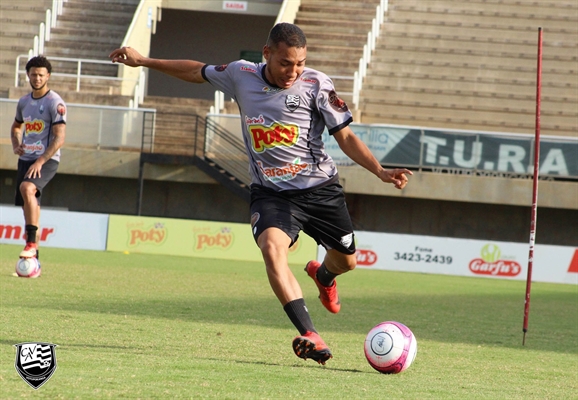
[[282, 128], [38, 117]]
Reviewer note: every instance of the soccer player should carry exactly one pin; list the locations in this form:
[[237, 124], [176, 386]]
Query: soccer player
[[284, 109], [37, 134]]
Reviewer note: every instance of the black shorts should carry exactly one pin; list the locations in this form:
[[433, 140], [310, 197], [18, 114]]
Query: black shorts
[[46, 174], [321, 213]]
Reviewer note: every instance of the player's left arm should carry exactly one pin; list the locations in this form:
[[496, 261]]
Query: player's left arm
[[58, 135], [358, 151]]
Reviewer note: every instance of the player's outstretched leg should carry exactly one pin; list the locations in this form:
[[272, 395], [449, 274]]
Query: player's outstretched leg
[[310, 345], [327, 294]]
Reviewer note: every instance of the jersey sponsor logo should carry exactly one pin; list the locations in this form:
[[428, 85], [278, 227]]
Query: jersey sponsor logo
[[309, 80], [255, 120], [221, 68], [336, 102], [37, 147], [292, 102], [285, 173], [34, 127], [269, 137], [270, 90], [248, 69]]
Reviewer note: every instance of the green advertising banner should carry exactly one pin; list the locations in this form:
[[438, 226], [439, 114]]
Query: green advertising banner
[[207, 239]]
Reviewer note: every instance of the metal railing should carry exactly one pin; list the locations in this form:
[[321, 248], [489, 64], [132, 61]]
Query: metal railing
[[368, 48], [79, 75], [99, 127]]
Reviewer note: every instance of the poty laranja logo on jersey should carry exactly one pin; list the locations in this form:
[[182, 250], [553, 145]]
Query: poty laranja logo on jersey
[[269, 137], [286, 173], [34, 127], [155, 234], [491, 264], [248, 69], [37, 147], [223, 239]]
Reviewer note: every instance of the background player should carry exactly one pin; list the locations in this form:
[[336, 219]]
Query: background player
[[284, 109], [37, 134]]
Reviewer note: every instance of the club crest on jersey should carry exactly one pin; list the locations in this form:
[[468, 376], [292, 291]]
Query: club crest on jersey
[[292, 102], [221, 68]]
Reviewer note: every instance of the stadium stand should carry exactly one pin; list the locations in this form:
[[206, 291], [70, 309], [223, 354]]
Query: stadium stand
[[472, 65], [336, 33], [18, 25]]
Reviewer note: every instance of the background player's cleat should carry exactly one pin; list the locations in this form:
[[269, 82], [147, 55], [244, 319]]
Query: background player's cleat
[[310, 345], [327, 294], [30, 250]]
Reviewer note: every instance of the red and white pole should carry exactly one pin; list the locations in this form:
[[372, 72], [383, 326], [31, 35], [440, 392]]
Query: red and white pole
[[535, 187]]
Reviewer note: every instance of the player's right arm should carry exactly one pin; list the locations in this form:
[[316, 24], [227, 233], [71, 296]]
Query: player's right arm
[[16, 137], [187, 70]]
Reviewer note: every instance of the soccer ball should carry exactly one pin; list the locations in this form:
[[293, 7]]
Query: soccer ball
[[28, 267], [390, 347]]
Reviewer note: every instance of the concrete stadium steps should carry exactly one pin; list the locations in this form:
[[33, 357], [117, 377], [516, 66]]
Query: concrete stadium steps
[[175, 122], [336, 33], [91, 29], [454, 14], [440, 68], [472, 65], [19, 23], [427, 115]]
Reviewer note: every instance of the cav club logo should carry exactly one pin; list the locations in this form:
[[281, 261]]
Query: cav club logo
[[35, 362], [491, 263]]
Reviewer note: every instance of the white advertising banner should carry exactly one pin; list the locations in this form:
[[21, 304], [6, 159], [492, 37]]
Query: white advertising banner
[[65, 229], [467, 257]]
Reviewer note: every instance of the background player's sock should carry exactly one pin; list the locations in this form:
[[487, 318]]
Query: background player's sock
[[324, 276]]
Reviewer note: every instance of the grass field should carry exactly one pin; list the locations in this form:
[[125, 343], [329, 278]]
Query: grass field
[[158, 327]]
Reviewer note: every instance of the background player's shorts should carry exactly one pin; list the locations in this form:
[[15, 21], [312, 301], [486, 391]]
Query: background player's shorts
[[46, 174], [321, 214]]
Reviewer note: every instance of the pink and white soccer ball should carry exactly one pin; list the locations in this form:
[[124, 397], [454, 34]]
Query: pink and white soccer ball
[[390, 347], [27, 267]]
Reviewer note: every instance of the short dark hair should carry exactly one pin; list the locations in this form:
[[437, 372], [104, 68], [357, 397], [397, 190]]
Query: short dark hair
[[287, 33], [39, 62]]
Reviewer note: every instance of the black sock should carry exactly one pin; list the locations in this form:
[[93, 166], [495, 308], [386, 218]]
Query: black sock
[[324, 276], [31, 233], [297, 312]]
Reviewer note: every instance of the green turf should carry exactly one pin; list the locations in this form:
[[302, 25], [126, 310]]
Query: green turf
[[158, 327]]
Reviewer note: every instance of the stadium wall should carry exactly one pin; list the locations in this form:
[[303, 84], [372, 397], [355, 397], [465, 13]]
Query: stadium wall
[[233, 241], [205, 200]]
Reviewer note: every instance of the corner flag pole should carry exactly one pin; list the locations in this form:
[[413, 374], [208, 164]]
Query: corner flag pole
[[535, 187]]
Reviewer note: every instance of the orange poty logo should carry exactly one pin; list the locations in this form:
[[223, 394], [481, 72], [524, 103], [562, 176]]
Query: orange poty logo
[[268, 137], [365, 257], [286, 173], [223, 239], [491, 264], [156, 235], [34, 127]]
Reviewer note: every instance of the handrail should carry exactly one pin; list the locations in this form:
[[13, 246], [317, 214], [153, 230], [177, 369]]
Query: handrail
[[368, 48], [78, 75]]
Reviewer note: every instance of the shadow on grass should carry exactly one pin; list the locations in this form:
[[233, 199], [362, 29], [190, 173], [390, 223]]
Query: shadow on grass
[[437, 308], [494, 320]]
